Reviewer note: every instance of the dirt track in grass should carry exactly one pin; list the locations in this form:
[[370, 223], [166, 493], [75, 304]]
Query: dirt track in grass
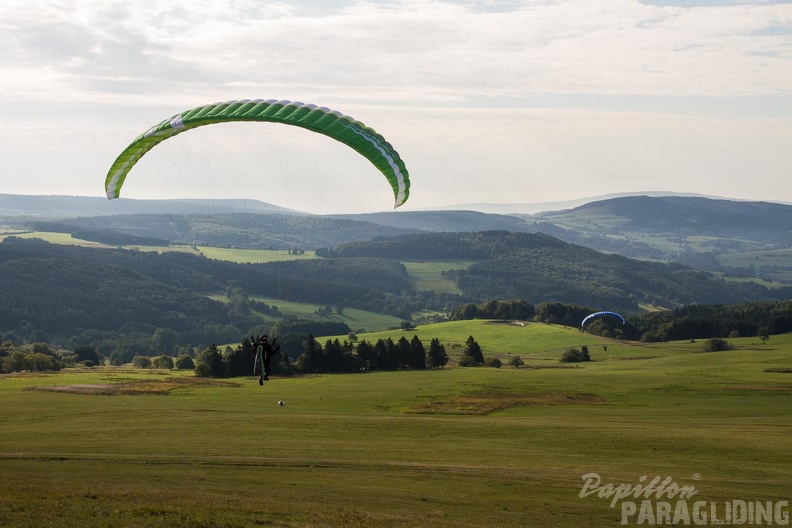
[[137, 387], [489, 402]]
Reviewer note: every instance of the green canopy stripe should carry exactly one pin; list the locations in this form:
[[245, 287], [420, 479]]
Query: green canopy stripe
[[336, 125]]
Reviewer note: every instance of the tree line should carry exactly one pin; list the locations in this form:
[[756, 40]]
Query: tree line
[[713, 321], [753, 319], [334, 356]]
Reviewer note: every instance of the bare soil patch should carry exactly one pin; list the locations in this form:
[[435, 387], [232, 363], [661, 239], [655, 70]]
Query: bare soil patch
[[489, 402], [137, 387], [780, 388]]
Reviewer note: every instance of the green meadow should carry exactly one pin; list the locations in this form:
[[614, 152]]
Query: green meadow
[[54, 238], [775, 264], [68, 240], [252, 256], [427, 275], [451, 447], [352, 317]]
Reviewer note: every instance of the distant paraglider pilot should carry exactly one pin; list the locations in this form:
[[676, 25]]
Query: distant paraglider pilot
[[264, 352]]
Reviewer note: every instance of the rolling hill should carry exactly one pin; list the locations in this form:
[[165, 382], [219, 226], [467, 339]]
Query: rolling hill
[[538, 267], [667, 227], [112, 296], [59, 207], [241, 230], [706, 233]]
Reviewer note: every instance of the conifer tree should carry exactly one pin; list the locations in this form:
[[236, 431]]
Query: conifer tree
[[417, 354], [473, 351], [403, 352], [213, 359], [437, 356]]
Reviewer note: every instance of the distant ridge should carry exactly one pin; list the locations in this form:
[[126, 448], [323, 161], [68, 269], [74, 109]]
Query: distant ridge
[[64, 206], [661, 228], [450, 220], [541, 207], [58, 206], [681, 216]]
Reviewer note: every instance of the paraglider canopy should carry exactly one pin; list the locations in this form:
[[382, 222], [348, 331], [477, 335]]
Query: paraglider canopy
[[335, 125], [600, 314]]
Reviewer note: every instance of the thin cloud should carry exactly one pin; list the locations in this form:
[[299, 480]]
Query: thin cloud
[[631, 95], [410, 48]]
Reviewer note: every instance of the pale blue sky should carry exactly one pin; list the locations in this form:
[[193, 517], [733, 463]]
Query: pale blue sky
[[487, 101]]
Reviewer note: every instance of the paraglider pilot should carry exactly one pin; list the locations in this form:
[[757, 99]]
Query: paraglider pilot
[[264, 352]]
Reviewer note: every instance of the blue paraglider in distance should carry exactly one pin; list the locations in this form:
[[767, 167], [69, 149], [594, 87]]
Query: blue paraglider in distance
[[598, 314]]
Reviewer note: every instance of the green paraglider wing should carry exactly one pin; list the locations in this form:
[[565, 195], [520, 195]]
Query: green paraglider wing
[[311, 117]]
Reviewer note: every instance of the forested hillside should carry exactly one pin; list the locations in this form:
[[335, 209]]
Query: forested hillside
[[427, 246], [444, 221], [56, 292], [51, 293], [129, 302], [537, 267], [244, 230]]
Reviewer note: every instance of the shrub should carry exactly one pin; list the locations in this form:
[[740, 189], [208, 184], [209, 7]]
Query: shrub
[[15, 362], [87, 353], [717, 345], [573, 355], [41, 362], [202, 370], [467, 361], [494, 363], [142, 362], [184, 362], [163, 362], [516, 361]]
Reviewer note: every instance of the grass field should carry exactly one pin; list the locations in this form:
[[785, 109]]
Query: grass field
[[453, 447], [68, 240], [54, 238], [427, 275], [769, 264], [252, 256], [354, 318]]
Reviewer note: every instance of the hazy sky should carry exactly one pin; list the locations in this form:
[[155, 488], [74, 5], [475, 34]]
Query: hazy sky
[[486, 100]]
